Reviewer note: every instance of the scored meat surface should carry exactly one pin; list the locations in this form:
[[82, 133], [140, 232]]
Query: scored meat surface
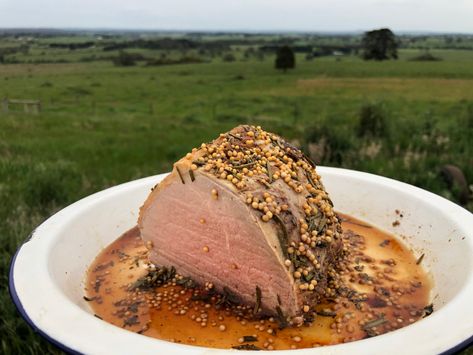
[[247, 214]]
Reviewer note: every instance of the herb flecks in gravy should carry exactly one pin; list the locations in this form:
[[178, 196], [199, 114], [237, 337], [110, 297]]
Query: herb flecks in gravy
[[386, 289]]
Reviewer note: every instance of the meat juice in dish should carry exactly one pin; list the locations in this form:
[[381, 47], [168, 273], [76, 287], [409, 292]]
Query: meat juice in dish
[[240, 247], [396, 292]]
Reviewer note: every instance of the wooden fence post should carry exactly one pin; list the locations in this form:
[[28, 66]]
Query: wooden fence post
[[5, 105], [29, 106]]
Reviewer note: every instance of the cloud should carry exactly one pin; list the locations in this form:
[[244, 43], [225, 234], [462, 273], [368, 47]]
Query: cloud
[[308, 15]]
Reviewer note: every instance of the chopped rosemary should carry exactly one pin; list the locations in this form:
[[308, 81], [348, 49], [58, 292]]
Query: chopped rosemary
[[317, 222], [322, 224], [249, 338], [186, 282], [420, 259], [281, 319], [309, 178], [268, 168], [384, 243], [103, 266], [373, 323], [428, 310], [310, 161], [294, 154], [246, 347], [258, 300], [326, 313], [228, 297], [134, 307], [296, 260], [313, 221], [198, 163], [309, 276], [154, 278], [180, 175], [131, 321], [191, 174], [241, 166], [204, 297], [236, 137], [265, 183], [144, 329], [282, 234]]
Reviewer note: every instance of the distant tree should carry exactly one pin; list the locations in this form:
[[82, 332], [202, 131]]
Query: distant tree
[[228, 57], [259, 55], [124, 59], [285, 58], [379, 45]]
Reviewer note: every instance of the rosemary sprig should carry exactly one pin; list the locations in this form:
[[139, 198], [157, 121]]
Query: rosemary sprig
[[282, 234], [428, 310], [368, 327], [420, 259], [154, 278], [241, 166], [236, 137], [309, 178], [258, 300], [296, 260], [265, 183], [281, 319], [268, 170], [249, 338], [309, 276], [322, 224], [186, 282], [326, 313], [228, 297], [131, 321], [180, 175], [246, 347], [310, 161]]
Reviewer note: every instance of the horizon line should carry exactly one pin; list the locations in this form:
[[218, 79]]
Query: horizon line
[[229, 31]]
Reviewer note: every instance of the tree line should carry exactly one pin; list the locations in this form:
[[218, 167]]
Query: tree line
[[379, 45]]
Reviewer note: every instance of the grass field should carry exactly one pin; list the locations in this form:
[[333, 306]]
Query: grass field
[[102, 125]]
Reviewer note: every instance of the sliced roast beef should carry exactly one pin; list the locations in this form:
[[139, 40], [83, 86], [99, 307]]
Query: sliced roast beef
[[248, 214]]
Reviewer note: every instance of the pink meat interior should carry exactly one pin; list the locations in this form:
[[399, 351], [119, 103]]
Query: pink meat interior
[[184, 221]]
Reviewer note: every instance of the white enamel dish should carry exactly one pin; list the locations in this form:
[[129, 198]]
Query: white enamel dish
[[47, 273]]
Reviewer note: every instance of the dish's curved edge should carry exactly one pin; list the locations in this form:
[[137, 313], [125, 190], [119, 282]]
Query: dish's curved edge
[[457, 348], [22, 311]]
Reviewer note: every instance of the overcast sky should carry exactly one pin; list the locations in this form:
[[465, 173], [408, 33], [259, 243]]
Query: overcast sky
[[254, 15]]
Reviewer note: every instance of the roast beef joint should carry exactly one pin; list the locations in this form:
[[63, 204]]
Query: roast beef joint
[[247, 214]]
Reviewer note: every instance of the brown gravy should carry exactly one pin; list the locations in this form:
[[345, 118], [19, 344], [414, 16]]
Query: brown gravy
[[397, 294]]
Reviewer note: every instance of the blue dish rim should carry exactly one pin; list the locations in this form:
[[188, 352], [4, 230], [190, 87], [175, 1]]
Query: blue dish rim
[[16, 300], [21, 310]]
